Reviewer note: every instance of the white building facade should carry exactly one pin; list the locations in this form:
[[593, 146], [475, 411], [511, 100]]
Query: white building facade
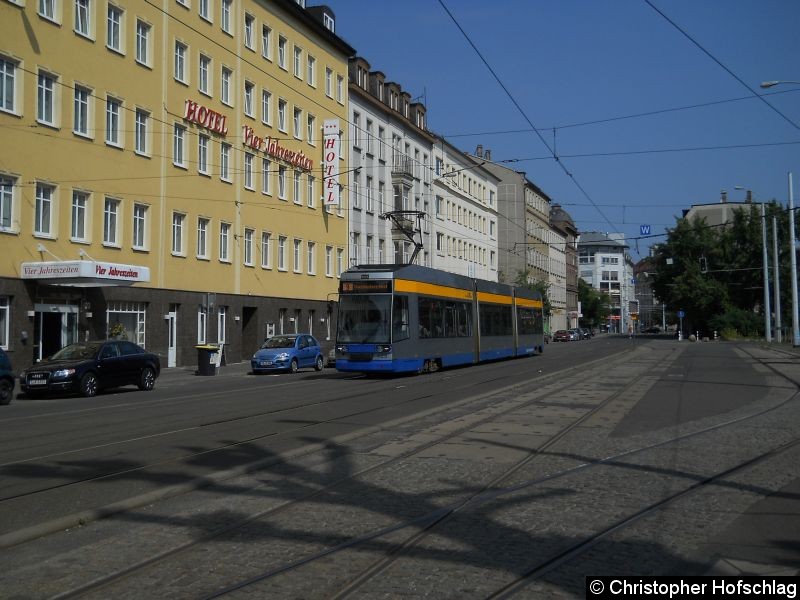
[[465, 218], [390, 171]]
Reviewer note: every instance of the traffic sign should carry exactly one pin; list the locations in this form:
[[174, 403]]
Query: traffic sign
[[681, 314], [644, 229]]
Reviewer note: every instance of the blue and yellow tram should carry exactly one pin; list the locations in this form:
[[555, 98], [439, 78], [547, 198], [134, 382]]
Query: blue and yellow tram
[[407, 318]]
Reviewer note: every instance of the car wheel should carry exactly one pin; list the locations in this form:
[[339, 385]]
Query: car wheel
[[89, 385], [293, 366], [6, 391], [320, 365], [147, 380]]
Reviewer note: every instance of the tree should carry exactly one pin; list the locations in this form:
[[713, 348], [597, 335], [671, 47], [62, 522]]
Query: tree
[[595, 305], [525, 280]]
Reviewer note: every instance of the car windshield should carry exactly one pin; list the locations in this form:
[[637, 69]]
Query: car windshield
[[280, 341], [364, 319], [77, 351]]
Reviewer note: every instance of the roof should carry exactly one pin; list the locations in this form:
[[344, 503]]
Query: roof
[[594, 238]]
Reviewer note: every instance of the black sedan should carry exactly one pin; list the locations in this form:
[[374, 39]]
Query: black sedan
[[88, 367]]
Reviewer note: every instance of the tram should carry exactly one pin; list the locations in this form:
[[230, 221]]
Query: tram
[[413, 319]]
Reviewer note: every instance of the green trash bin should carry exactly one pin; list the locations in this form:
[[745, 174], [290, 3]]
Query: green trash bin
[[207, 359]]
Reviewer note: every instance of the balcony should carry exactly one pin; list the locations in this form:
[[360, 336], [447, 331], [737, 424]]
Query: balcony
[[402, 167]]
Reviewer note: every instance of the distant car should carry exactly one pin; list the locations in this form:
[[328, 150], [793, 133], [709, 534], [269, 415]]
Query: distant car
[[562, 335], [586, 333], [6, 378], [652, 329], [288, 353], [576, 334], [88, 367]]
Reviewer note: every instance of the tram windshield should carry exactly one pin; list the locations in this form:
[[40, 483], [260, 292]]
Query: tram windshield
[[364, 319]]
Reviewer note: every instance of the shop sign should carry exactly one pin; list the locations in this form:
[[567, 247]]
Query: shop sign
[[205, 117], [271, 147], [330, 158], [85, 272]]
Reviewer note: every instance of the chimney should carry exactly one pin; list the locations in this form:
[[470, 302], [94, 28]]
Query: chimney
[[488, 154], [479, 151], [749, 197], [723, 197]]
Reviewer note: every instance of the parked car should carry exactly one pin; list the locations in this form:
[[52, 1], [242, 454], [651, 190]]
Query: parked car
[[6, 378], [652, 329], [88, 367], [576, 334], [562, 335], [586, 333], [288, 353]]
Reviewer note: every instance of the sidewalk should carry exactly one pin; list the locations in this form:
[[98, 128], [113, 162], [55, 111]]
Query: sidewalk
[[241, 368]]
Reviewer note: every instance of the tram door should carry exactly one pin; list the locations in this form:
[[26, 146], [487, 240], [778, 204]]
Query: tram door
[[55, 326]]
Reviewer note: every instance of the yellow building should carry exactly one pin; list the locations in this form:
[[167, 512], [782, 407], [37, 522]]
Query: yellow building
[[161, 173]]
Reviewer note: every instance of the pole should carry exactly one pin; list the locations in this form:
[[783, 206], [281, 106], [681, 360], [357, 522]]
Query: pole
[[776, 292], [767, 318], [793, 258], [663, 317]]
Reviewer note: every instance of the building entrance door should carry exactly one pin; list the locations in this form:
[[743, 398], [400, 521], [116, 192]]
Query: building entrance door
[[172, 347], [55, 326]]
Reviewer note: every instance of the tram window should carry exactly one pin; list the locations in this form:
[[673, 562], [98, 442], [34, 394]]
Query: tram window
[[400, 327], [364, 319], [495, 320], [530, 321], [440, 318]]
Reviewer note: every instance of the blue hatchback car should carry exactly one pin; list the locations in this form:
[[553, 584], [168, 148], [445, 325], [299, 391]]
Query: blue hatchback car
[[288, 353]]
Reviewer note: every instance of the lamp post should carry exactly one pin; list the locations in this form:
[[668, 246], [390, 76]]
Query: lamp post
[[767, 319], [769, 84]]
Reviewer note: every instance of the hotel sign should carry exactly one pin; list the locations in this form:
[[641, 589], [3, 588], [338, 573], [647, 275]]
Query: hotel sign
[[205, 117], [273, 148], [85, 273], [330, 164]]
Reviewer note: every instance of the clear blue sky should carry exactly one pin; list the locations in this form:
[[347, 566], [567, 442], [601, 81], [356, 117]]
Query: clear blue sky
[[573, 61]]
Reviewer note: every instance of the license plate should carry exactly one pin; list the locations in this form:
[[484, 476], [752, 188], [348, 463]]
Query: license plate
[[37, 382], [266, 363]]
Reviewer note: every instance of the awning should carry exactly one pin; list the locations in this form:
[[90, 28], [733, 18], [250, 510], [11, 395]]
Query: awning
[[85, 273]]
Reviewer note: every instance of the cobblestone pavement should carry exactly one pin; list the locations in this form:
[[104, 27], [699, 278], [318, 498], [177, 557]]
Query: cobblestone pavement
[[650, 430]]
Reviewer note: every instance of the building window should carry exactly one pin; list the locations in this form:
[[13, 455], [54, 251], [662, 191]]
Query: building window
[[202, 237], [355, 193], [80, 123], [297, 265], [381, 250], [298, 188], [249, 23], [131, 316], [203, 75], [328, 261], [298, 127], [142, 42], [177, 233], [281, 253], [222, 313], [110, 221], [266, 107], [266, 255], [6, 203], [282, 52], [83, 17], [224, 242], [310, 191], [225, 17], [202, 154], [311, 126], [368, 248], [298, 62], [340, 89], [266, 186], [282, 115], [140, 133], [356, 130], [282, 182], [224, 161], [248, 170], [180, 61], [45, 112], [47, 9], [44, 209], [339, 261], [179, 138], [328, 82], [202, 317], [248, 98], [139, 226], [248, 247], [311, 72], [311, 258], [204, 9], [80, 205], [225, 88], [8, 74], [114, 28], [368, 193], [113, 116], [266, 42]]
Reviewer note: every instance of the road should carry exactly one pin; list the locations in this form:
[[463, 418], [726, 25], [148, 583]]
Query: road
[[519, 478]]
